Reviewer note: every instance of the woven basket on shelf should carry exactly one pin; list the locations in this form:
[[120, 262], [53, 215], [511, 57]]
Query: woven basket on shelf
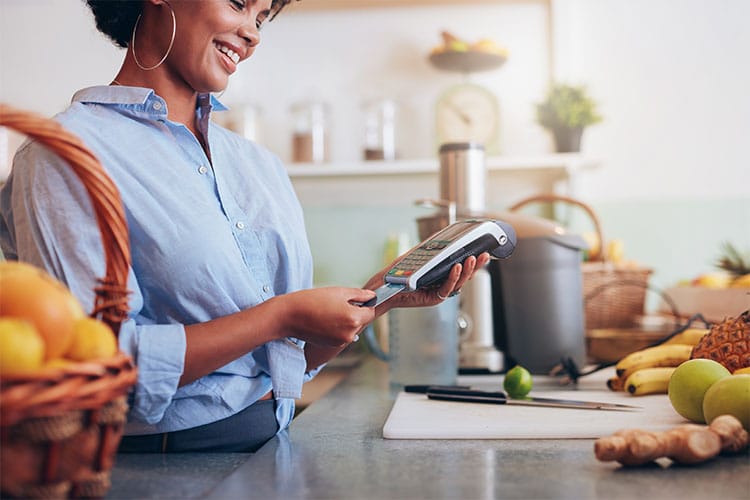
[[614, 295], [60, 427]]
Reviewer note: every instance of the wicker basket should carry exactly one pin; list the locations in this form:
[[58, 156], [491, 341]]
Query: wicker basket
[[60, 428], [614, 295]]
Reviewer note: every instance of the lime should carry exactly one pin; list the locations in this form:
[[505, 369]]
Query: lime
[[517, 382]]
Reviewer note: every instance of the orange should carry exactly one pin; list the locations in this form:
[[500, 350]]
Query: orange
[[27, 292]]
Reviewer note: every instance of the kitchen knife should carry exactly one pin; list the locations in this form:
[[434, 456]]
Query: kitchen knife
[[489, 397]]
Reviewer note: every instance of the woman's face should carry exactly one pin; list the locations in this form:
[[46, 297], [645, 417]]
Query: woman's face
[[212, 38]]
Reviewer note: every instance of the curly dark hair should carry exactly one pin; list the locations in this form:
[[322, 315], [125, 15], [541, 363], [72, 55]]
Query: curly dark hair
[[116, 18]]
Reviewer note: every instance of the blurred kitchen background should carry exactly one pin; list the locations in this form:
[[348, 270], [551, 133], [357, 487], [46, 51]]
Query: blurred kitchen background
[[667, 171]]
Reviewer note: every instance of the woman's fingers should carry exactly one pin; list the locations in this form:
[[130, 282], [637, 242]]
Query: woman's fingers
[[460, 274], [451, 283]]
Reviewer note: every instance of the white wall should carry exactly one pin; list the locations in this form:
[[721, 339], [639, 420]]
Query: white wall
[[673, 79], [671, 76]]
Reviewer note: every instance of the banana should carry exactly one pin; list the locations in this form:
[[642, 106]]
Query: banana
[[649, 381], [691, 336], [740, 371], [652, 357], [615, 383]]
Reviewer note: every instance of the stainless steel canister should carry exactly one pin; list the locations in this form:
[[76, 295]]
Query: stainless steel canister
[[463, 175]]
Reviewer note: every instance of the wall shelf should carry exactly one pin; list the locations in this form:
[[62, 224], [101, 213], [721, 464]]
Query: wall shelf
[[400, 182]]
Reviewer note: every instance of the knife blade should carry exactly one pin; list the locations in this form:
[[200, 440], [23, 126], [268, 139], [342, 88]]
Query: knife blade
[[498, 397]]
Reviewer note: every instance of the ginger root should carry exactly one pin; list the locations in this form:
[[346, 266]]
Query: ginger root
[[734, 437], [685, 444]]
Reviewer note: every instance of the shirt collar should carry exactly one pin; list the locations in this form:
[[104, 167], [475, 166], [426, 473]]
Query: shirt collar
[[140, 98]]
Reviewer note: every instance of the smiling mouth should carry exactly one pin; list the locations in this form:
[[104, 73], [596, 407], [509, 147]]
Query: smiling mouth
[[234, 56]]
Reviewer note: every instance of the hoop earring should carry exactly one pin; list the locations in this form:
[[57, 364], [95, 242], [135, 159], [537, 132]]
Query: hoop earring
[[169, 49]]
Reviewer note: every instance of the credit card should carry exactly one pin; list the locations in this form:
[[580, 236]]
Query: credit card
[[383, 293]]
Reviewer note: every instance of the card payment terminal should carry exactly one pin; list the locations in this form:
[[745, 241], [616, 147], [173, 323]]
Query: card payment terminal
[[430, 262]]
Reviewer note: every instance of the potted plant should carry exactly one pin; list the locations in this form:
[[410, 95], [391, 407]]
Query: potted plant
[[565, 111]]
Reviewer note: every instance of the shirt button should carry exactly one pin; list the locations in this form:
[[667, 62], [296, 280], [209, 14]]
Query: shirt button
[[203, 169], [240, 225], [157, 106], [266, 288]]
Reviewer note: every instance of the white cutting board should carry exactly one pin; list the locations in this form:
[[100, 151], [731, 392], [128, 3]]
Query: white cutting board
[[413, 416]]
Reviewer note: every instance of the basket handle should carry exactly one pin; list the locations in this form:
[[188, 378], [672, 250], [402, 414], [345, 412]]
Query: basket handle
[[551, 198], [111, 302]]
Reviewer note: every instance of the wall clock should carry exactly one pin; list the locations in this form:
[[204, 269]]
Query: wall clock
[[468, 112]]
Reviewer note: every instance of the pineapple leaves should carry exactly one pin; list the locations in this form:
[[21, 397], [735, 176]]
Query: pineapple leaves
[[732, 260]]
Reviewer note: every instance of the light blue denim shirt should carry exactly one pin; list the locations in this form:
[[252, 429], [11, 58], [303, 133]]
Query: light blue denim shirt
[[209, 237]]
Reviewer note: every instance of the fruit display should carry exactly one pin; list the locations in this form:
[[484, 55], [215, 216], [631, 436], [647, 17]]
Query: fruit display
[[728, 343], [649, 370], [42, 323], [456, 54], [452, 43], [732, 270], [685, 444], [719, 293]]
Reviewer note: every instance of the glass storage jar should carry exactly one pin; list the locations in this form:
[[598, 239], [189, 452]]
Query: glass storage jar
[[310, 132], [380, 129]]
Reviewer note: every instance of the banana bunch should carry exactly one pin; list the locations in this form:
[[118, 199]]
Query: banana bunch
[[648, 371]]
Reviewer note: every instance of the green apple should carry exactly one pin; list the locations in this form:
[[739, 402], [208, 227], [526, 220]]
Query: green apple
[[730, 395], [689, 383]]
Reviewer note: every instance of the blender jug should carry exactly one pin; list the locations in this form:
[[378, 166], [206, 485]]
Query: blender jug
[[422, 344], [538, 302]]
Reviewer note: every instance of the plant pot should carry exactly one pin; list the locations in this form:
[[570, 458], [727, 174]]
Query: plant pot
[[568, 140]]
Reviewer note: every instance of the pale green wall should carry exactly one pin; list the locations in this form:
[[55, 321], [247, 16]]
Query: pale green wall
[[679, 239]]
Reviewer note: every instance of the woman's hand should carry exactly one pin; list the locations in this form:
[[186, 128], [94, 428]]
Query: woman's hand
[[328, 316], [459, 274], [327, 319]]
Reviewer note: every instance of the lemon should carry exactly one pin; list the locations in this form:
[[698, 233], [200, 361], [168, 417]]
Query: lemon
[[21, 347], [517, 382], [91, 339], [616, 251]]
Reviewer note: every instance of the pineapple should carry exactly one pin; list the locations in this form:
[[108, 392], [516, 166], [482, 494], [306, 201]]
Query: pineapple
[[727, 342], [736, 263]]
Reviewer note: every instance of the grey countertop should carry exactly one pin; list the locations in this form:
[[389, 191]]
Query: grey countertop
[[335, 449]]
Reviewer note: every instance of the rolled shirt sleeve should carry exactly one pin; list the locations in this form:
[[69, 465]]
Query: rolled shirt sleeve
[[159, 352]]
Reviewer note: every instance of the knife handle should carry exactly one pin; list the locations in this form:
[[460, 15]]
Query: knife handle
[[424, 388], [466, 395]]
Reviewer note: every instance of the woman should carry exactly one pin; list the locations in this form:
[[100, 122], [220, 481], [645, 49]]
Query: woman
[[224, 324]]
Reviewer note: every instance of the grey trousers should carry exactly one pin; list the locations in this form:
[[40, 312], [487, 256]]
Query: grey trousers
[[245, 431]]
